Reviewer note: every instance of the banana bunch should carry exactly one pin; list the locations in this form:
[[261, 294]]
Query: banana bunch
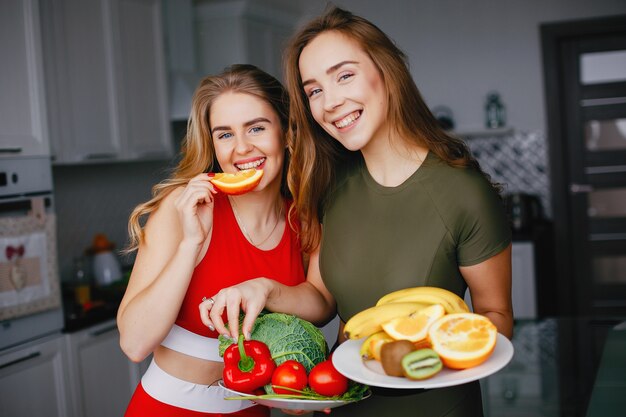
[[401, 303], [451, 302], [369, 321]]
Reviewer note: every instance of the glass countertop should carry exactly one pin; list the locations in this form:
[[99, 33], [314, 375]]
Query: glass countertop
[[562, 367]]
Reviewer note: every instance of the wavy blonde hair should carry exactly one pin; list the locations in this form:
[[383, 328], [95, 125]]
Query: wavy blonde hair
[[197, 152], [315, 155]]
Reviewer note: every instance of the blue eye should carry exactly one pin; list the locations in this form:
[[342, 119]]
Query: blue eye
[[257, 129], [313, 92], [225, 135], [344, 77]]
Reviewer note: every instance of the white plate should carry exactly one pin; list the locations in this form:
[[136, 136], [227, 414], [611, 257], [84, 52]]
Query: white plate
[[291, 404], [347, 360]]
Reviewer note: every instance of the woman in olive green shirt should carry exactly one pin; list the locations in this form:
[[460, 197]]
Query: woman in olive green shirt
[[402, 203]]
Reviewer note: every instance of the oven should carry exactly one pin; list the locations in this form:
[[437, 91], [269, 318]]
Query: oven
[[30, 296]]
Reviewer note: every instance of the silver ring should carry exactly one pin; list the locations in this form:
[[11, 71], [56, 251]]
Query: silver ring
[[209, 299]]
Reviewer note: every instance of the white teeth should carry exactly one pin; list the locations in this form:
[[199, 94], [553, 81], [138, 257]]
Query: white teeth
[[249, 165], [348, 120]]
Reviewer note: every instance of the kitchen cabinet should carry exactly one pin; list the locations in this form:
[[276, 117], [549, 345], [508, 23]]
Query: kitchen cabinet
[[33, 379], [243, 31], [23, 123], [101, 378], [105, 80]]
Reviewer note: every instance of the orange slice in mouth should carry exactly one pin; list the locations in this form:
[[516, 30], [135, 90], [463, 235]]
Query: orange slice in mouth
[[237, 183]]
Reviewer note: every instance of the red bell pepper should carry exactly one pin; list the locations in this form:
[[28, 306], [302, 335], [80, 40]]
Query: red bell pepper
[[248, 365]]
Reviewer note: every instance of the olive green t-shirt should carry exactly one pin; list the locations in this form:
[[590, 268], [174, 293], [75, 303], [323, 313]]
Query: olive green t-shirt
[[379, 239]]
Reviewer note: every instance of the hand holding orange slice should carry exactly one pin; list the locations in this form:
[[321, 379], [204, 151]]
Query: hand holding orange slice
[[237, 183], [463, 340]]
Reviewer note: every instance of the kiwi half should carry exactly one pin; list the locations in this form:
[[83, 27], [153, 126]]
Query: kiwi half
[[391, 354], [421, 364]]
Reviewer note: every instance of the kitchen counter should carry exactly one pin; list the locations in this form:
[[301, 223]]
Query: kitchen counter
[[102, 307], [562, 367], [609, 390]]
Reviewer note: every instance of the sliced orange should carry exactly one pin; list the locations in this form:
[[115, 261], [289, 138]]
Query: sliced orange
[[423, 344], [463, 340], [414, 327], [237, 183]]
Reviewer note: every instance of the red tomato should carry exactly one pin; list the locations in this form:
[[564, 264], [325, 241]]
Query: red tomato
[[326, 380], [290, 374]]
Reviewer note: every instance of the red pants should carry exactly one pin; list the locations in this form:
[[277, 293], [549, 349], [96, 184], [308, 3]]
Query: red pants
[[143, 405]]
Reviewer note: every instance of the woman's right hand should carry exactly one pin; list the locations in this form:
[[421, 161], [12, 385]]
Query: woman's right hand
[[195, 209], [249, 296]]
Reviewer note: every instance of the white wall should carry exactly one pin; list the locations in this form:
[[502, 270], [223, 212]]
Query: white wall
[[461, 49]]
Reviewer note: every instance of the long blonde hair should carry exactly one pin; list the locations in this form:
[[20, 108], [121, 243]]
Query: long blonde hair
[[315, 155], [197, 152]]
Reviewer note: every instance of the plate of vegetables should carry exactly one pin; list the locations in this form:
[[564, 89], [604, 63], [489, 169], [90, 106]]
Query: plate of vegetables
[[286, 365], [307, 400]]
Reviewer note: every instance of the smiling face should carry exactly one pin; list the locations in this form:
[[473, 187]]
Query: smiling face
[[346, 92], [247, 133]]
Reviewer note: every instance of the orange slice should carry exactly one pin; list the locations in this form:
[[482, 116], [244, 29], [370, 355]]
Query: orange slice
[[414, 327], [237, 183], [463, 340]]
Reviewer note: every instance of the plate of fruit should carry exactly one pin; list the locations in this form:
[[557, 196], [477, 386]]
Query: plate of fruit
[[422, 337], [285, 364]]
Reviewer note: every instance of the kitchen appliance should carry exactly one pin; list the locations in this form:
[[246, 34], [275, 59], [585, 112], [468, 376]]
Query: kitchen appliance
[[524, 210], [30, 297], [106, 267]]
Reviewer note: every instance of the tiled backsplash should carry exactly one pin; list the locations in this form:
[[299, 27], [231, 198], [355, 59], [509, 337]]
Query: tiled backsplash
[[518, 160], [92, 199]]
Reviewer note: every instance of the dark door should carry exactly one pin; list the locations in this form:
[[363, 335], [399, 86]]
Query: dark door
[[585, 75]]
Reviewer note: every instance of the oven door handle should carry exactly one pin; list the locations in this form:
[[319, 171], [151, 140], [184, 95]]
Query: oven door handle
[[22, 359], [11, 149]]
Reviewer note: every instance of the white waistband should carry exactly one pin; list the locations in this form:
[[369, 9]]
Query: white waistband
[[192, 344], [173, 391]]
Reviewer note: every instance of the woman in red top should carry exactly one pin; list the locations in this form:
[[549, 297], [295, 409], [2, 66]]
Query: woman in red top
[[197, 241]]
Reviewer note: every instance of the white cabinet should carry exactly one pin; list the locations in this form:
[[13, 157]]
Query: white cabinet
[[33, 380], [105, 80], [144, 117], [101, 377], [23, 125], [243, 32]]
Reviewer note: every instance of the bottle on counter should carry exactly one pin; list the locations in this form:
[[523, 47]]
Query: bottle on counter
[[495, 115], [81, 282]]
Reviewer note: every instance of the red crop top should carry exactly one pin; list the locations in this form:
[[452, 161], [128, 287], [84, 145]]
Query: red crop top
[[231, 259]]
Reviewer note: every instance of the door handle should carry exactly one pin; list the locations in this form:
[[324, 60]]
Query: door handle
[[22, 359], [95, 156], [580, 188], [10, 150]]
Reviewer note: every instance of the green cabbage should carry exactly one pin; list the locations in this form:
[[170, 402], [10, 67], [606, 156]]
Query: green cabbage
[[288, 337]]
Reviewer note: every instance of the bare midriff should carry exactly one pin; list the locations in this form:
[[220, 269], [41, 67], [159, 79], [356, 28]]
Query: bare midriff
[[188, 368]]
